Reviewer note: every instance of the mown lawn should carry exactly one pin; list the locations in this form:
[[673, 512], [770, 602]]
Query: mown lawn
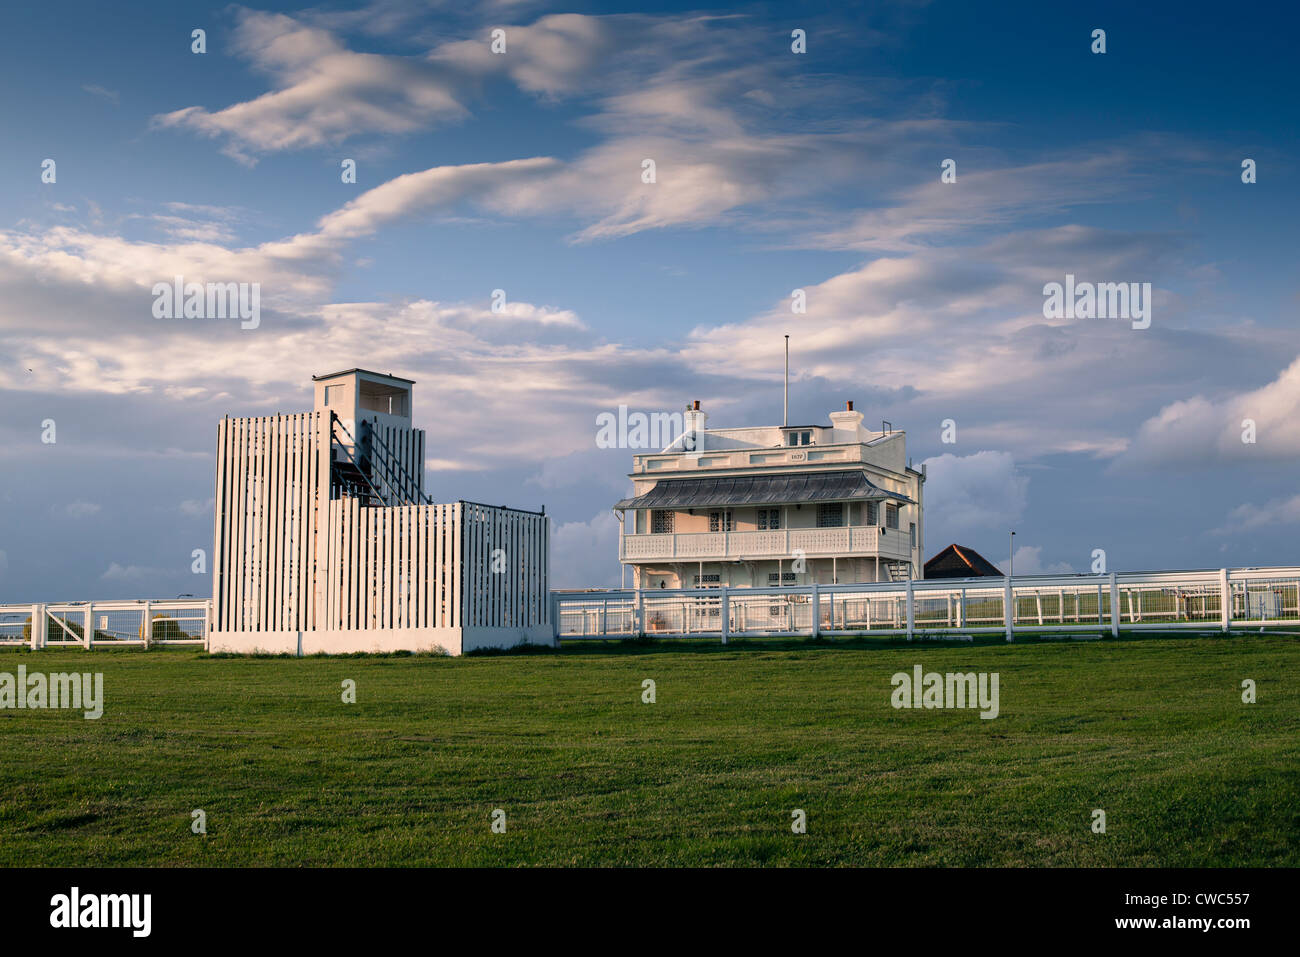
[[1151, 730]]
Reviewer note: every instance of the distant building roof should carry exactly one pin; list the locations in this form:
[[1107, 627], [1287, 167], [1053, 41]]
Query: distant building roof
[[382, 375], [846, 486], [961, 561]]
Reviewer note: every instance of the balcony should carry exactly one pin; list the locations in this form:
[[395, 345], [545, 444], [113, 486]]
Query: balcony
[[866, 541]]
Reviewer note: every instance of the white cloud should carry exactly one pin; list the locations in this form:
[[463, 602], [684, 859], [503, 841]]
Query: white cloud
[[135, 573], [1029, 561], [585, 554], [970, 493], [1249, 517], [77, 509], [1209, 431]]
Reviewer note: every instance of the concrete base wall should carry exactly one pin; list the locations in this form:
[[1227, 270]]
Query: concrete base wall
[[454, 641]]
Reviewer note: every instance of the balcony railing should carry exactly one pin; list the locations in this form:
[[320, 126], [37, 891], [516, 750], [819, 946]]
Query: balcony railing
[[856, 540]]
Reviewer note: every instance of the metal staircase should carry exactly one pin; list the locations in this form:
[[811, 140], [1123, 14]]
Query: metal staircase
[[899, 571], [370, 472]]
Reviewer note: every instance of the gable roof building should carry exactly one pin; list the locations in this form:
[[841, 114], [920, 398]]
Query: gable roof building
[[961, 561]]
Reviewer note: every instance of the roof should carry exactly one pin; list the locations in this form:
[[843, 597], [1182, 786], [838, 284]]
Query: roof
[[382, 375], [961, 561], [844, 486]]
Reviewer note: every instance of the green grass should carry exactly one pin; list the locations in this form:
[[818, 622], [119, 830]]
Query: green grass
[[1152, 730]]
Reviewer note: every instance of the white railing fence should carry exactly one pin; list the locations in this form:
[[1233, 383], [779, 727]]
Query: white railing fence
[[1258, 598], [1132, 601], [102, 624]]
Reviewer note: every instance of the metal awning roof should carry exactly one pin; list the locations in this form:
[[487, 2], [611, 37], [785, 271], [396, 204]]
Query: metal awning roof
[[849, 486]]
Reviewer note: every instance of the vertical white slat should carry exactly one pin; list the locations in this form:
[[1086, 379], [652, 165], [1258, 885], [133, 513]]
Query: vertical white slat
[[258, 485], [437, 593], [374, 570], [416, 577], [306, 492], [454, 535], [276, 571], [391, 567], [356, 601], [400, 569], [219, 543], [240, 520], [294, 551]]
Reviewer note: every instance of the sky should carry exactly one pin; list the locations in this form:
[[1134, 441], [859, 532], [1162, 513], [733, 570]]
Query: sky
[[1169, 446]]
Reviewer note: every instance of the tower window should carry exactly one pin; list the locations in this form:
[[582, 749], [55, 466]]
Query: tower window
[[830, 515]]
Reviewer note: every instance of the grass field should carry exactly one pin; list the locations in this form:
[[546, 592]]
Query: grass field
[[1151, 730]]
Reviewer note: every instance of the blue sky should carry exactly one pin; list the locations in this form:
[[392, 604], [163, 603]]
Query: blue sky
[[775, 171]]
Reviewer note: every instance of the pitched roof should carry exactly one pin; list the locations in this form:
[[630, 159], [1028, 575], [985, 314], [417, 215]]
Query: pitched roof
[[961, 561], [844, 486]]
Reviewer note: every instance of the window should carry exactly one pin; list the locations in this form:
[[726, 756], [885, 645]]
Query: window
[[661, 523], [798, 438], [830, 515], [720, 521], [774, 579], [911, 533], [891, 516], [708, 579], [334, 395], [873, 513], [769, 518]]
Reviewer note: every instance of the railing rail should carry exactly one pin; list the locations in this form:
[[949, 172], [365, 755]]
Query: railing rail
[[1256, 598], [867, 540], [1129, 601], [92, 624]]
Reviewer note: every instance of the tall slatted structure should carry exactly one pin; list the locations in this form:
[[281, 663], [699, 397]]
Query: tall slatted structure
[[324, 539]]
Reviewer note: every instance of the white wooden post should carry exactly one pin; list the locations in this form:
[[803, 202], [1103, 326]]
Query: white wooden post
[[1114, 606], [88, 635], [604, 618], [911, 611], [146, 628], [207, 623], [38, 627], [724, 609], [816, 612], [1225, 602], [1008, 611]]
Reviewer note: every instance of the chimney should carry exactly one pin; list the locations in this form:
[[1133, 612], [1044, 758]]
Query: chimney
[[846, 425], [693, 427]]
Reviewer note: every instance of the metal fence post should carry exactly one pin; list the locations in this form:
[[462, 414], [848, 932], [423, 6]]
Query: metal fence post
[[1114, 606], [911, 611], [640, 613], [1225, 600]]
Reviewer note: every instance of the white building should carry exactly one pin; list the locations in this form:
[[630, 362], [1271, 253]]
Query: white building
[[324, 539], [759, 507]]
